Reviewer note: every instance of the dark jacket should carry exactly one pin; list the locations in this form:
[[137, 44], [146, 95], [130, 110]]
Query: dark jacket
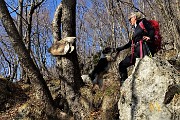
[[139, 33]]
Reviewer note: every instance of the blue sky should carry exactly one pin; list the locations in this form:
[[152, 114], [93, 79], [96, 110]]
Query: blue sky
[[51, 5], [12, 5]]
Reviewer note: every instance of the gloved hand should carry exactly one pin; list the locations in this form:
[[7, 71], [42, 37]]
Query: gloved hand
[[120, 49]]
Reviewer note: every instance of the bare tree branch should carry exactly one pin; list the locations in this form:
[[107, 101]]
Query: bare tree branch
[[56, 23], [42, 94]]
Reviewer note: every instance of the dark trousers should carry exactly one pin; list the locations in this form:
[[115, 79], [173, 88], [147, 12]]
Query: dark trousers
[[129, 60]]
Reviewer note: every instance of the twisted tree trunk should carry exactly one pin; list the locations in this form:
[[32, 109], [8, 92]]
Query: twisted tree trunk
[[71, 77]]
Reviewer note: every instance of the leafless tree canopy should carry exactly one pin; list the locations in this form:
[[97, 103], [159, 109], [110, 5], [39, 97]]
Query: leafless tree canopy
[[99, 23]]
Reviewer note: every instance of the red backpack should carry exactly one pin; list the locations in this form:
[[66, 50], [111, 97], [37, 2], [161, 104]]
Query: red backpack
[[158, 38]]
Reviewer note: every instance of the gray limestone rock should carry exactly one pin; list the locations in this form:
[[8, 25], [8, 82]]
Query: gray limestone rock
[[143, 93]]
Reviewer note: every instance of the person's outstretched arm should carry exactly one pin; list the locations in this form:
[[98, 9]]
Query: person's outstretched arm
[[128, 45]]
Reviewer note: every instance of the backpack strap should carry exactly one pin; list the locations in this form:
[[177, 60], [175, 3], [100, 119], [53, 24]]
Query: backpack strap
[[132, 50], [141, 48], [142, 26]]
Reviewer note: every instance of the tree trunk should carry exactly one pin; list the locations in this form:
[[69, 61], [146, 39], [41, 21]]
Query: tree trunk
[[71, 72], [71, 69], [42, 94], [20, 30]]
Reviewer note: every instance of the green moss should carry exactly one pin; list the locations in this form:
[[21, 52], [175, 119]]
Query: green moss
[[109, 91]]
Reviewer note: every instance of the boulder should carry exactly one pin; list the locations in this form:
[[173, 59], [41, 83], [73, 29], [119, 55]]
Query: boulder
[[144, 95]]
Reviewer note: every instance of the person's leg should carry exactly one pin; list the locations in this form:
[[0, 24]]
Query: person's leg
[[123, 65], [148, 50]]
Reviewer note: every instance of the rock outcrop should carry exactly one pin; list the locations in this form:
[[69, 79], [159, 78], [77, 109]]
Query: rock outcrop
[[150, 93], [144, 93]]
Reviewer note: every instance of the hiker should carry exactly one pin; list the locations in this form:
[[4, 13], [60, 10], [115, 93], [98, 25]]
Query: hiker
[[138, 50]]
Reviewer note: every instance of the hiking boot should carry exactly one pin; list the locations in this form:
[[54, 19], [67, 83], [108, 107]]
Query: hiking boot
[[123, 78], [121, 82]]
